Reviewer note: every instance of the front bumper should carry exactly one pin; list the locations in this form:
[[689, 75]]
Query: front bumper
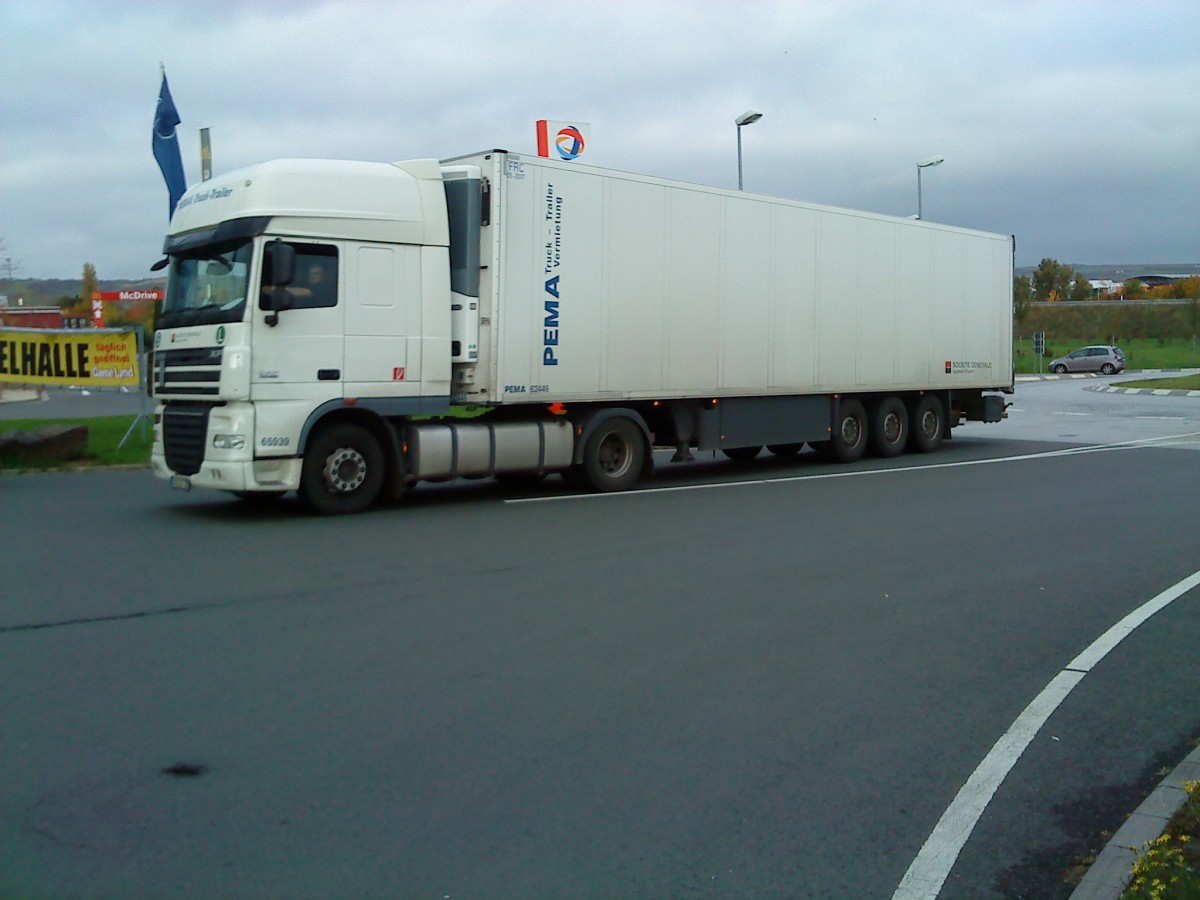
[[258, 475]]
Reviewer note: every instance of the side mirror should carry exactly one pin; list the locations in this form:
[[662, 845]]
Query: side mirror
[[279, 263], [279, 299], [279, 269]]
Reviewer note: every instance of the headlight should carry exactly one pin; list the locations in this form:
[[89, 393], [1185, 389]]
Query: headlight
[[229, 441]]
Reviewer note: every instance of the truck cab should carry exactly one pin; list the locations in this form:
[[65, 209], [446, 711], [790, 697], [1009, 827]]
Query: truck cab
[[302, 294]]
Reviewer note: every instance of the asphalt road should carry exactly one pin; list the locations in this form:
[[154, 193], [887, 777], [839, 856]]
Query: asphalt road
[[759, 680], [72, 403]]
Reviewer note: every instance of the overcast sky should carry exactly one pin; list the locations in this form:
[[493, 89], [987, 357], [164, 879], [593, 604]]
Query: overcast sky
[[1074, 126]]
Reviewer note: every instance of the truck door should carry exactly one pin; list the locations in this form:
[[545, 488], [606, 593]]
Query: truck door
[[298, 348]]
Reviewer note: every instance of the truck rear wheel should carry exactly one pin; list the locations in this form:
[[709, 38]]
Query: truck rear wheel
[[927, 419], [613, 456], [889, 427], [343, 470], [785, 450], [848, 440]]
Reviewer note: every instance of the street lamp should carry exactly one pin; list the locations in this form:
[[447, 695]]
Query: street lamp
[[925, 164], [749, 117]]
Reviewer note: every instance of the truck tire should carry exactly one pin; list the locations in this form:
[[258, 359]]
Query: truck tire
[[927, 419], [343, 470], [848, 440], [613, 457], [785, 450], [259, 498], [742, 454], [889, 427]]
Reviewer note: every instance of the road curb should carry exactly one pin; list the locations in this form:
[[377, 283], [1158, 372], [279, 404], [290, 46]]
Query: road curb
[[1112, 871], [1067, 376], [1156, 392], [69, 467]]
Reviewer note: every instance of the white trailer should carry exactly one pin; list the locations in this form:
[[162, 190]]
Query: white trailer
[[500, 313]]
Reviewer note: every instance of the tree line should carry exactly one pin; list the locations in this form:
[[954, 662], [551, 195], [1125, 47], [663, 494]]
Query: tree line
[[1052, 280]]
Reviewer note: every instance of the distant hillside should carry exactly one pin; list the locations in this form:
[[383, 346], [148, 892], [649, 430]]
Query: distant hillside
[[49, 291], [1123, 271]]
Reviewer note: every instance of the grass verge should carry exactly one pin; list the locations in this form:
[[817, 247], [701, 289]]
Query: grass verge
[[1182, 383], [1169, 868], [104, 436], [1141, 353]]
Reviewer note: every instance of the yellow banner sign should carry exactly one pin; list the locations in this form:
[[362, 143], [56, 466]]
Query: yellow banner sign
[[75, 357]]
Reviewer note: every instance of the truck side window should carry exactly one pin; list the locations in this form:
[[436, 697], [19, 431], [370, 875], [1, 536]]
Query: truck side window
[[315, 284]]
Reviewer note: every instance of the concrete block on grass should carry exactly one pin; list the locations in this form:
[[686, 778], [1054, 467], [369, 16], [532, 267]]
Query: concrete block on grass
[[47, 444]]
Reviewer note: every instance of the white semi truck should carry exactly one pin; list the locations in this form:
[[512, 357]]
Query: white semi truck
[[346, 329]]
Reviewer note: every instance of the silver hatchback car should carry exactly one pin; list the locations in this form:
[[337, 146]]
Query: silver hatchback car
[[1103, 359]]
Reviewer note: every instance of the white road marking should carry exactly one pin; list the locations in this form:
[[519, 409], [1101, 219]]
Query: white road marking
[[857, 473], [928, 872], [1069, 414]]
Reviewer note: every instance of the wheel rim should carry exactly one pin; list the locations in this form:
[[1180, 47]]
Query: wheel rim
[[892, 428], [345, 470], [929, 424], [614, 456], [851, 431]]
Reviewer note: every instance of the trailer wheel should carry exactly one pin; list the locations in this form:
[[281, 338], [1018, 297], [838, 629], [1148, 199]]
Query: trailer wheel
[[889, 427], [848, 440], [613, 456], [785, 450], [343, 470], [927, 419], [742, 454]]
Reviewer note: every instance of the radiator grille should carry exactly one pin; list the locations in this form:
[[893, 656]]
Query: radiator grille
[[193, 372], [184, 431]]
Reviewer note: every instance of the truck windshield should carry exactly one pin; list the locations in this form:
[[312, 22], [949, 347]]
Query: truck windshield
[[207, 285]]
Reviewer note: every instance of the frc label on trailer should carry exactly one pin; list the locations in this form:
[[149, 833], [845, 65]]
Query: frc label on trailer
[[550, 324]]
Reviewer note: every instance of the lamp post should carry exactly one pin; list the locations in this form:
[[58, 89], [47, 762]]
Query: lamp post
[[925, 164], [749, 117]]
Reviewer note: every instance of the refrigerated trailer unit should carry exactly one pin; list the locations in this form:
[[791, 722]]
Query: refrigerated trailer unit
[[499, 313]]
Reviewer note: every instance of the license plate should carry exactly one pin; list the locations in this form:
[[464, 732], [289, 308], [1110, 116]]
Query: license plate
[[181, 482]]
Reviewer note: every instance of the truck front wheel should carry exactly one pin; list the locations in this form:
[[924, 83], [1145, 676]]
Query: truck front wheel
[[343, 470], [613, 456]]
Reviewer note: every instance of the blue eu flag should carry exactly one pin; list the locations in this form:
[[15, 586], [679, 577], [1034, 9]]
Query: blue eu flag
[[166, 145]]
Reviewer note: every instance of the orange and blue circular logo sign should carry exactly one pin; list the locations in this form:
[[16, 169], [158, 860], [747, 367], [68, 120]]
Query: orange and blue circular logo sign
[[569, 142]]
